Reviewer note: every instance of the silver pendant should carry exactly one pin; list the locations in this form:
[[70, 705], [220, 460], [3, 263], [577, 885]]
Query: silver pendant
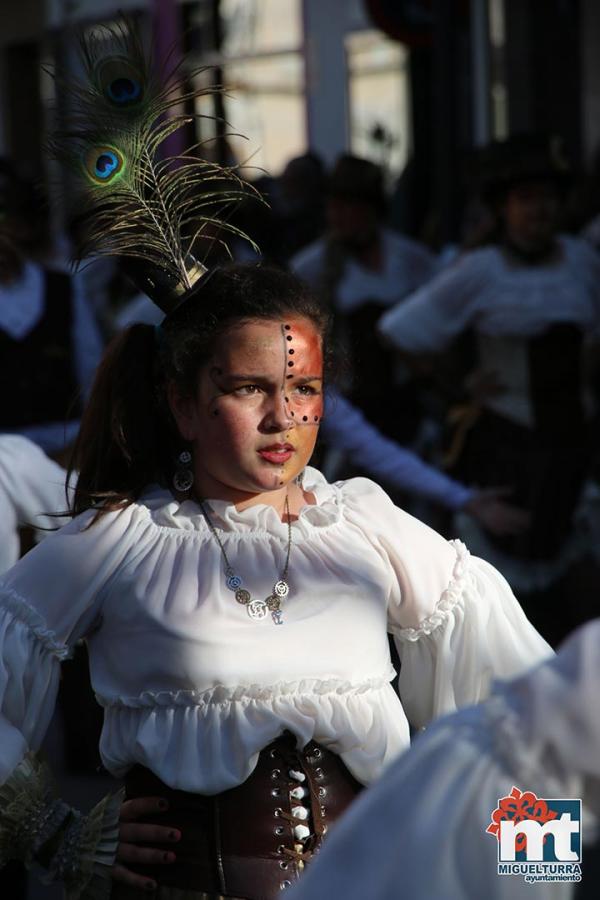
[[242, 596], [277, 616], [257, 609], [281, 588], [183, 479]]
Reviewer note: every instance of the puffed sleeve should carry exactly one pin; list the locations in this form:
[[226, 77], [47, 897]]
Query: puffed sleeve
[[50, 599], [31, 483], [455, 621], [428, 320]]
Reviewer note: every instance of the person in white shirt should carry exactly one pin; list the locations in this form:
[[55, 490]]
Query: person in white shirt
[[236, 608], [360, 268], [532, 302]]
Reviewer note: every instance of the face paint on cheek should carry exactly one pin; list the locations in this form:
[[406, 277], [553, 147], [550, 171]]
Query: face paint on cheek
[[303, 355], [287, 338]]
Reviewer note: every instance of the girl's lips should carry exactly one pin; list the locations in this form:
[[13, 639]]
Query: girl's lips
[[276, 455]]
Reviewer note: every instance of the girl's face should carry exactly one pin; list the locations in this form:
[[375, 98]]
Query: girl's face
[[254, 419]]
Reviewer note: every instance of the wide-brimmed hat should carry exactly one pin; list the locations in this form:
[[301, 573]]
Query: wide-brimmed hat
[[522, 158], [357, 179]]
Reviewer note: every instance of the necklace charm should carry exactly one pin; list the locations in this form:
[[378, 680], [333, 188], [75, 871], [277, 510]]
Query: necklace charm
[[242, 596], [281, 588], [277, 616], [233, 582], [273, 602], [257, 609]]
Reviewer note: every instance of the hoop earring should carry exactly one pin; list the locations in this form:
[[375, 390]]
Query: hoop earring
[[183, 479]]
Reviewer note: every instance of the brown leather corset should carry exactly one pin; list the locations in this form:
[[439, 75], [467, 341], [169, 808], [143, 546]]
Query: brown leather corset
[[241, 843]]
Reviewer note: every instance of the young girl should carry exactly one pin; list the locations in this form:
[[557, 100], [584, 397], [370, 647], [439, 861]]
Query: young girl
[[236, 608]]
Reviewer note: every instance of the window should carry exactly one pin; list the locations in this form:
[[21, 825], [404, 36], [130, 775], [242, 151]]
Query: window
[[379, 94], [262, 66]]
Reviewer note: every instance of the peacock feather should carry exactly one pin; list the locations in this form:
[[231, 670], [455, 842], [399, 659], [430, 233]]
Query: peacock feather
[[136, 202]]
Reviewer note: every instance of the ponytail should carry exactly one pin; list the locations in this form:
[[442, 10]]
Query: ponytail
[[123, 443]]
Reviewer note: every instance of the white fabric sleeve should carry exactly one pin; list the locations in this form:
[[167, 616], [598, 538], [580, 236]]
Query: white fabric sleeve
[[49, 600], [476, 632], [10, 544], [344, 427], [428, 320], [455, 620], [559, 712], [34, 484]]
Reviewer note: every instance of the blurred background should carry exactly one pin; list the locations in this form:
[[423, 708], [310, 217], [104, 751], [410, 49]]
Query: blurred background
[[409, 84]]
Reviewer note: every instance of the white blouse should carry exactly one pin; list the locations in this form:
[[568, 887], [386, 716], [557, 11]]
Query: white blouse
[[193, 688]]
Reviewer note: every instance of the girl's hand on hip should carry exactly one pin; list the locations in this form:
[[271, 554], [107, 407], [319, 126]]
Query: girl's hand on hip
[[134, 836]]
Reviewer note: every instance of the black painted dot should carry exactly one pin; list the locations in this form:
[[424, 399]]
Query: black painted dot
[[291, 351], [289, 337], [287, 399], [291, 363], [287, 327], [305, 418], [316, 418], [289, 376], [292, 412]]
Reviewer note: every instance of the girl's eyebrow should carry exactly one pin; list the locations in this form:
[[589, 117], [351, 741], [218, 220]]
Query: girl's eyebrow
[[236, 377], [301, 379]]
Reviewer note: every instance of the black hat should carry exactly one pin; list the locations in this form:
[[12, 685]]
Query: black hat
[[521, 158], [357, 179]]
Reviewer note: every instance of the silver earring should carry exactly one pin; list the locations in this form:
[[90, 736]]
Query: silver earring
[[183, 479]]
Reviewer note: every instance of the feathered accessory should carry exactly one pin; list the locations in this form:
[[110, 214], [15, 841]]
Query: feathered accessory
[[137, 204]]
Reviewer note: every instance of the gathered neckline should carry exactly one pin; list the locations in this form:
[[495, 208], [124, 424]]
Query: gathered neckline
[[258, 520]]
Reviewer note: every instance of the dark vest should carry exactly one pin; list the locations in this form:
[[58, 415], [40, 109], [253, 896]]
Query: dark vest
[[37, 373]]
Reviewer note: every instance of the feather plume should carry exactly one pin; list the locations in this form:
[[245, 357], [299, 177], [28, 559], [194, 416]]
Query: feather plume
[[135, 202]]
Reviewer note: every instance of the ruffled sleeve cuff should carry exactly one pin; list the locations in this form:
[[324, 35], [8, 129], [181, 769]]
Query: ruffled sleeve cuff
[[33, 818], [476, 633]]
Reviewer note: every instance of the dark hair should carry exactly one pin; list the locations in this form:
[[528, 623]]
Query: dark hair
[[353, 178], [128, 438]]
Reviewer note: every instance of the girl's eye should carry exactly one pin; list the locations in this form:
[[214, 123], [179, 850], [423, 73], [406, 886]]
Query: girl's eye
[[306, 390]]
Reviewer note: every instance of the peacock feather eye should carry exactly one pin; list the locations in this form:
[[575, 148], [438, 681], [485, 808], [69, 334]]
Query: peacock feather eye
[[120, 82], [124, 90], [104, 164]]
